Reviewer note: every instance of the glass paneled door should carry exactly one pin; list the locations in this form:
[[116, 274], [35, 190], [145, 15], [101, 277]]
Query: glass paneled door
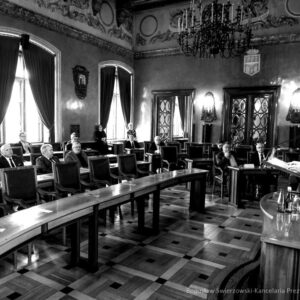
[[250, 115]]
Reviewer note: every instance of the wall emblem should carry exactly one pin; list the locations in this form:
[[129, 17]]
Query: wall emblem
[[252, 62]]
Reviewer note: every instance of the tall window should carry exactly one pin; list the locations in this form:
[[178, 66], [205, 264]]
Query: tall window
[[116, 127], [177, 127], [22, 113]]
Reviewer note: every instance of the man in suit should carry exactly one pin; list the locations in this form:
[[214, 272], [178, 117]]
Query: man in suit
[[263, 183], [259, 156], [155, 146], [77, 155], [8, 160], [44, 162], [73, 138], [23, 143], [131, 143]]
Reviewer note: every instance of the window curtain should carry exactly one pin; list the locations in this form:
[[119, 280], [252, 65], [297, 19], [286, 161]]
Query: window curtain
[[182, 109], [107, 90], [125, 93], [9, 50], [40, 66]]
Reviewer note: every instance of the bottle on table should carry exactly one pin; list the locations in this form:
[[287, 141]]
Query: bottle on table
[[281, 202], [289, 200]]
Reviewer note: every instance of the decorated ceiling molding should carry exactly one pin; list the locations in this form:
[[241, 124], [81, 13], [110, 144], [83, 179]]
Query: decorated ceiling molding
[[96, 17]]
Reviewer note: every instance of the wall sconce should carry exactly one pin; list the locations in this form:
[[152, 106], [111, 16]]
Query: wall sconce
[[209, 109], [294, 110]]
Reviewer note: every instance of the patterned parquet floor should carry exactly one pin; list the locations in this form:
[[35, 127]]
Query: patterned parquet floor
[[179, 263]]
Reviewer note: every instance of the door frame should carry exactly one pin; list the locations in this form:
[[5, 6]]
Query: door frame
[[239, 91], [172, 93]]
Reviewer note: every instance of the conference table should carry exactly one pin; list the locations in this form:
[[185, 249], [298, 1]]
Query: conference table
[[27, 224], [238, 181]]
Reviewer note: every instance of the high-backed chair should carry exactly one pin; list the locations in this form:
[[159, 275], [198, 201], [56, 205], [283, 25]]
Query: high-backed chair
[[170, 159], [33, 157], [128, 170], [19, 187], [56, 146], [101, 176], [241, 153], [17, 150], [66, 178], [35, 148]]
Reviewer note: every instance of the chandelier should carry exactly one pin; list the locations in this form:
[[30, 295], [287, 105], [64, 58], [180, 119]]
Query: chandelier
[[216, 28]]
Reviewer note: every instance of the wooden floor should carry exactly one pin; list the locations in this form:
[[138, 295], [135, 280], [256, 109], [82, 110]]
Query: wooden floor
[[179, 263]]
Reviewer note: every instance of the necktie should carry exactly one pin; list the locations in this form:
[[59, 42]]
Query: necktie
[[132, 145], [12, 164], [261, 158]]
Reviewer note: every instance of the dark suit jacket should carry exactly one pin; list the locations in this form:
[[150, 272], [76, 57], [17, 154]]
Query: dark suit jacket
[[71, 156], [254, 159], [153, 147], [17, 160], [20, 145], [129, 145], [222, 161], [44, 165]]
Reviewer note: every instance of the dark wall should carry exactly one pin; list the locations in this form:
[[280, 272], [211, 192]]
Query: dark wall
[[73, 52], [280, 64]]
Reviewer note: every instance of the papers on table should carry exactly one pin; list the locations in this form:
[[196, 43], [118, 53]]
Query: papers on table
[[278, 162]]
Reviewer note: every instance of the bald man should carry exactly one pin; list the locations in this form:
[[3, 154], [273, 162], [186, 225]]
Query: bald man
[[8, 159]]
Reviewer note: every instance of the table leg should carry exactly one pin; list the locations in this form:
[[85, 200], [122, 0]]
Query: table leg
[[156, 206], [141, 213], [75, 242], [197, 194], [93, 240]]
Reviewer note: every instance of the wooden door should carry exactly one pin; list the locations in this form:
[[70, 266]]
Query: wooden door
[[250, 115]]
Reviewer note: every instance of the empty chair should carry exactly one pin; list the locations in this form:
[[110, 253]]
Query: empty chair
[[128, 170], [67, 178], [170, 159], [19, 187], [101, 176], [36, 148], [100, 173], [33, 157], [174, 144], [56, 146]]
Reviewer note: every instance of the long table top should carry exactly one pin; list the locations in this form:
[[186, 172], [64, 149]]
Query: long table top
[[282, 229], [28, 223]]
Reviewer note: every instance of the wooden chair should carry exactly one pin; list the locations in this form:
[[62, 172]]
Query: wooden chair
[[19, 187], [170, 160], [101, 176], [128, 170], [19, 190], [35, 148], [33, 158]]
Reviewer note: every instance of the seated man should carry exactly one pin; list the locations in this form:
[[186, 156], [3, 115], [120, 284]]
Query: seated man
[[259, 156], [155, 146], [224, 159], [8, 159], [131, 143], [131, 131], [73, 138], [23, 143], [77, 155], [44, 162]]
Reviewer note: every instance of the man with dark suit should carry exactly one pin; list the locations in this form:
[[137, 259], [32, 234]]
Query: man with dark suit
[[259, 156], [8, 160], [44, 162], [23, 143], [131, 143], [155, 146], [263, 183], [77, 155]]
